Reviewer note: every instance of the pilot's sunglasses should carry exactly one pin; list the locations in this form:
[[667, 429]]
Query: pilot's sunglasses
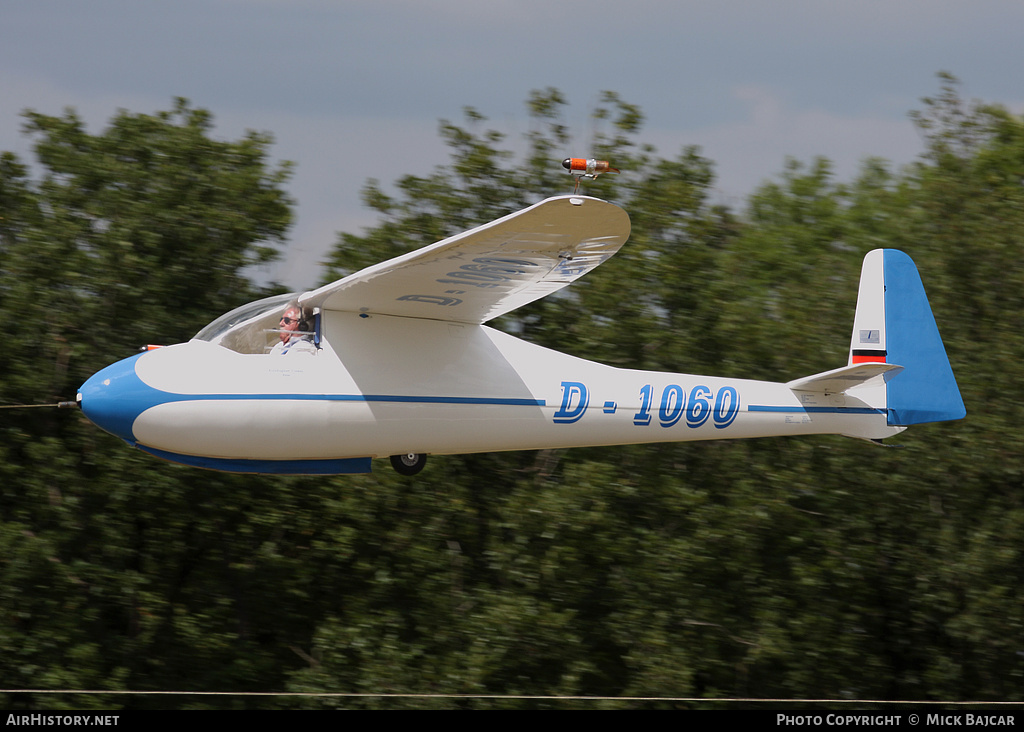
[[289, 321]]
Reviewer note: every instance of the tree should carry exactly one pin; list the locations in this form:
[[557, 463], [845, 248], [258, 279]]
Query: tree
[[137, 234]]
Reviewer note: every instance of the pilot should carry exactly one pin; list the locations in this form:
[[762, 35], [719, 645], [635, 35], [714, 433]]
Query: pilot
[[294, 332]]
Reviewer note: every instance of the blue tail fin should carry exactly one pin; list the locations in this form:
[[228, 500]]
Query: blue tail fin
[[894, 324]]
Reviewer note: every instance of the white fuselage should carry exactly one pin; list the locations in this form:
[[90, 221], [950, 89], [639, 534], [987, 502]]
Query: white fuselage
[[385, 385]]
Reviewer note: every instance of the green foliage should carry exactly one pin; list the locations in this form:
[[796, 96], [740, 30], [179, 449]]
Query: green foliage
[[820, 567], [138, 234]]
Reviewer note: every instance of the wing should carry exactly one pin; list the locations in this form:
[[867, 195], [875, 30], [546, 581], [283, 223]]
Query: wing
[[485, 272]]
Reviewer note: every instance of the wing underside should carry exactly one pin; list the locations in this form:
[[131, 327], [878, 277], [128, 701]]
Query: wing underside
[[488, 271]]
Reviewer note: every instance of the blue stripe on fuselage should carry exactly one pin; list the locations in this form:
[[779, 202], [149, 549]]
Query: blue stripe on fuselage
[[815, 410]]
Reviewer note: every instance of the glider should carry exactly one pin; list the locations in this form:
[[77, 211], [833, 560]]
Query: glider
[[399, 363]]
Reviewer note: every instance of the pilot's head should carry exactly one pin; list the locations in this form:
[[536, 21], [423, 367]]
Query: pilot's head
[[291, 321]]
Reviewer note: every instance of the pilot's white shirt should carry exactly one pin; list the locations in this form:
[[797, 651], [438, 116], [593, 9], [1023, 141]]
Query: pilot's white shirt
[[295, 344]]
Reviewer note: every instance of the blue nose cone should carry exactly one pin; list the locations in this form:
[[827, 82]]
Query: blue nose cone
[[114, 397]]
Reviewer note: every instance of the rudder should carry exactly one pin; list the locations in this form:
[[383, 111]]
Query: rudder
[[894, 324]]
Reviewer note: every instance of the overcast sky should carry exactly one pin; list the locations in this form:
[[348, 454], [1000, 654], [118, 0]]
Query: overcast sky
[[355, 89]]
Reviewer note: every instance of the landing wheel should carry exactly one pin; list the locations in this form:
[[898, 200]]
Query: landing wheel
[[408, 464]]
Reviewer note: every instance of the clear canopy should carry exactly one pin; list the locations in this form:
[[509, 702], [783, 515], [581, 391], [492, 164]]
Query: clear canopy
[[250, 328]]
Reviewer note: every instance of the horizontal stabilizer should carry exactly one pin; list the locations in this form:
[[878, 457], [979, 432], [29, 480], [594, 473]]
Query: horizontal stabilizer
[[839, 380]]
